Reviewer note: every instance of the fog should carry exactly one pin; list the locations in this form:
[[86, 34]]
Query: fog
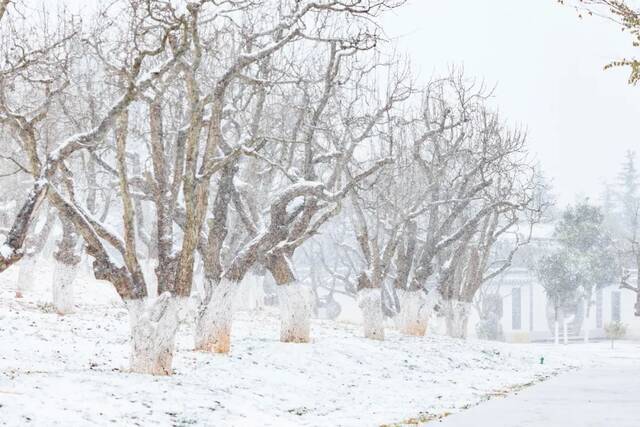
[[547, 66]]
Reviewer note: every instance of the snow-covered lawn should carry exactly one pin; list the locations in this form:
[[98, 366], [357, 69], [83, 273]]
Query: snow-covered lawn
[[71, 370]]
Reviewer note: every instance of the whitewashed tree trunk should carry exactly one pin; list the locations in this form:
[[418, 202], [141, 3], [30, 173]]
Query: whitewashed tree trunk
[[370, 302], [556, 332], [250, 293], [26, 275], [295, 312], [586, 322], [261, 295], [154, 325], [64, 276], [214, 319], [457, 318], [586, 332], [414, 313]]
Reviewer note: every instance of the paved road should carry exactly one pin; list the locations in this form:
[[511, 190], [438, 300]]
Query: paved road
[[593, 397]]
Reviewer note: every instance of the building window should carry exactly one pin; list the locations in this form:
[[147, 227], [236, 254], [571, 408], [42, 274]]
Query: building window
[[516, 309], [599, 308], [615, 306]]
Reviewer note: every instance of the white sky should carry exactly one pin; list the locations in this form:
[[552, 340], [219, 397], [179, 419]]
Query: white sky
[[548, 67]]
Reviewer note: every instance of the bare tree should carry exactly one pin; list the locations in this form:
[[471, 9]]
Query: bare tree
[[183, 145], [451, 166], [473, 261], [306, 162], [47, 162]]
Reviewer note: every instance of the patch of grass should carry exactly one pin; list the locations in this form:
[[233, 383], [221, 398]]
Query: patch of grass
[[46, 307], [426, 417], [422, 418]]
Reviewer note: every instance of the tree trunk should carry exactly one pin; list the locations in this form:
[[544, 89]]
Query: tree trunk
[[26, 275], [637, 304], [294, 299], [586, 322], [250, 293], [415, 310], [64, 276], [564, 331], [586, 332], [370, 302], [556, 334], [260, 292], [153, 330], [66, 269], [213, 324], [295, 312], [35, 244], [457, 318]]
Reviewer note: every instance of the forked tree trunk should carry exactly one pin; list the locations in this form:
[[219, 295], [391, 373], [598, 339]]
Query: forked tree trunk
[[214, 318], [154, 325], [414, 312], [295, 312], [457, 318], [370, 302]]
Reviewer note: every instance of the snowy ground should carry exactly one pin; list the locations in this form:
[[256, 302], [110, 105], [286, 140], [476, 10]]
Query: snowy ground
[[72, 371]]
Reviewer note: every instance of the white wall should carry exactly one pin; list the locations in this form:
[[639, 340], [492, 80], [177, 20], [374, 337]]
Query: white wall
[[534, 301]]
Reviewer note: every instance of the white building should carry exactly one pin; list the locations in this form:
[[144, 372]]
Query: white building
[[527, 316]]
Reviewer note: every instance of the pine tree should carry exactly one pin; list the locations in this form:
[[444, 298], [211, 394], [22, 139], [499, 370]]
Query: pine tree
[[627, 192]]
